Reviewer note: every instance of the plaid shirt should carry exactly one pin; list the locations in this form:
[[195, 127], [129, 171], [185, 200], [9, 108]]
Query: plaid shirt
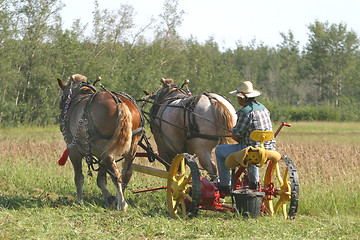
[[253, 116]]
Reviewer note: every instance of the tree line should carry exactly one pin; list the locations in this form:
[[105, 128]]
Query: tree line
[[318, 82]]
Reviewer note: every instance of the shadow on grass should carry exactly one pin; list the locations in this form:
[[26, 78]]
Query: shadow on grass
[[12, 202], [147, 204], [150, 204]]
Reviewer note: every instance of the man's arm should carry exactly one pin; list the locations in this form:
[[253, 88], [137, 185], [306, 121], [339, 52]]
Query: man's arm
[[241, 126]]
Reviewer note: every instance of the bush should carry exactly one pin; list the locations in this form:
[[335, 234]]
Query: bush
[[318, 113], [281, 112]]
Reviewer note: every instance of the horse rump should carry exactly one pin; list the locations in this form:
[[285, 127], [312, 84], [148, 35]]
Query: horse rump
[[120, 143]]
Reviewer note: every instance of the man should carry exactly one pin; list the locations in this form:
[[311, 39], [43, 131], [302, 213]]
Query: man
[[253, 116]]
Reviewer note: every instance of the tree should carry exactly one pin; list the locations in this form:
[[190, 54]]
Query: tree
[[331, 54], [289, 84]]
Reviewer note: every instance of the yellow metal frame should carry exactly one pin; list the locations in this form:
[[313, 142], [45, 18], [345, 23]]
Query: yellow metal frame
[[284, 193], [177, 187], [177, 184], [151, 171], [258, 157]]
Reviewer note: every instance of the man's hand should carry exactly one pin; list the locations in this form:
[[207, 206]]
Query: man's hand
[[235, 137]]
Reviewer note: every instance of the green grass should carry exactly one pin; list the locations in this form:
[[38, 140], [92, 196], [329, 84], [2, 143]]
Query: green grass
[[37, 197], [328, 132]]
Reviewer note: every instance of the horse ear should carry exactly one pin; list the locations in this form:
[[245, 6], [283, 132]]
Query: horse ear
[[61, 84], [163, 81], [147, 93]]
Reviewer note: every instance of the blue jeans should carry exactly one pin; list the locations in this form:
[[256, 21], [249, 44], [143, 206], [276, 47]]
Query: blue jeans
[[221, 153]]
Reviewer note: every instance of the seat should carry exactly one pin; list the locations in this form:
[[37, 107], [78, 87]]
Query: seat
[[253, 156]]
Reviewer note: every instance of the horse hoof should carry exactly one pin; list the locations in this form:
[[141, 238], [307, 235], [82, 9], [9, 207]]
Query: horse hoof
[[111, 202], [214, 178], [79, 202], [123, 207]]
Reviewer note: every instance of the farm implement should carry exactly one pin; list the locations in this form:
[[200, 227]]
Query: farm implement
[[188, 191]]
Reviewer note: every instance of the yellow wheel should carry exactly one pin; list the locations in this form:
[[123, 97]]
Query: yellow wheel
[[282, 185], [183, 186]]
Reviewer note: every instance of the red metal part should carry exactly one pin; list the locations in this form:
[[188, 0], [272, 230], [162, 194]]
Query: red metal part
[[208, 193], [150, 189], [142, 154], [240, 184], [270, 190], [281, 126], [210, 197]]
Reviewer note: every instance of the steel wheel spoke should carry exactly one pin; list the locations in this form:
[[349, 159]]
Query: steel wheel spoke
[[185, 182], [284, 211], [285, 188], [278, 174], [178, 190]]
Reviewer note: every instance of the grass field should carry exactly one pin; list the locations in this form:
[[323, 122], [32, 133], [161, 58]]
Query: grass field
[[37, 197]]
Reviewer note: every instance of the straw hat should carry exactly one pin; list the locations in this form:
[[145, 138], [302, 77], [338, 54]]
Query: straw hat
[[246, 89]]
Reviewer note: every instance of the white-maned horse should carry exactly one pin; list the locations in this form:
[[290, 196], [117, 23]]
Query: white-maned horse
[[193, 124]]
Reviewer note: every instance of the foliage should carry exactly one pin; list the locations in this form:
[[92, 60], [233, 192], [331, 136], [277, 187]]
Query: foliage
[[319, 82]]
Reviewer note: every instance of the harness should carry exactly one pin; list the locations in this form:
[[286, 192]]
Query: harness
[[191, 127], [87, 92], [188, 103]]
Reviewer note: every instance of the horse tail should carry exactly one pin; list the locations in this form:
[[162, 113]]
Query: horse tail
[[224, 118], [120, 142]]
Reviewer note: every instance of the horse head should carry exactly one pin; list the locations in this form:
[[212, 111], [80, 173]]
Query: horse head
[[72, 82], [167, 88], [75, 84], [168, 82]]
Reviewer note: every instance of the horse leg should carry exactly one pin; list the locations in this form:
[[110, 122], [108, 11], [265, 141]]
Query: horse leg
[[101, 181], [116, 178], [76, 161], [207, 162], [110, 166], [203, 150], [127, 170]]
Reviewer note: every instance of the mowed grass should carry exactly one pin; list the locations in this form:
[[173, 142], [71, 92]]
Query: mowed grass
[[37, 197]]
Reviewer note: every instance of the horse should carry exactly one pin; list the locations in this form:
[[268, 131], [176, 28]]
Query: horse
[[98, 126], [193, 124]]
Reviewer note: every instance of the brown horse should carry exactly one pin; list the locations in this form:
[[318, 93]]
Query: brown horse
[[97, 126], [193, 124]]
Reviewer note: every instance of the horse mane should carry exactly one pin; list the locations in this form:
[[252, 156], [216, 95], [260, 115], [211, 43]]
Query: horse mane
[[168, 81], [77, 78], [223, 118], [82, 86], [167, 88]]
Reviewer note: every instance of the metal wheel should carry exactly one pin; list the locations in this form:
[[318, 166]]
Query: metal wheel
[[183, 185], [282, 188]]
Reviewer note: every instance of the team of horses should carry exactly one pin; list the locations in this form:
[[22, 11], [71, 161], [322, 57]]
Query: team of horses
[[101, 125]]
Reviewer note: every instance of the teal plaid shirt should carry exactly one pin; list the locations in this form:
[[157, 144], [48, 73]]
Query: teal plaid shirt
[[253, 116]]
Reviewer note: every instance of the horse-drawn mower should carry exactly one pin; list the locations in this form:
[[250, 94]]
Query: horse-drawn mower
[[188, 192]]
